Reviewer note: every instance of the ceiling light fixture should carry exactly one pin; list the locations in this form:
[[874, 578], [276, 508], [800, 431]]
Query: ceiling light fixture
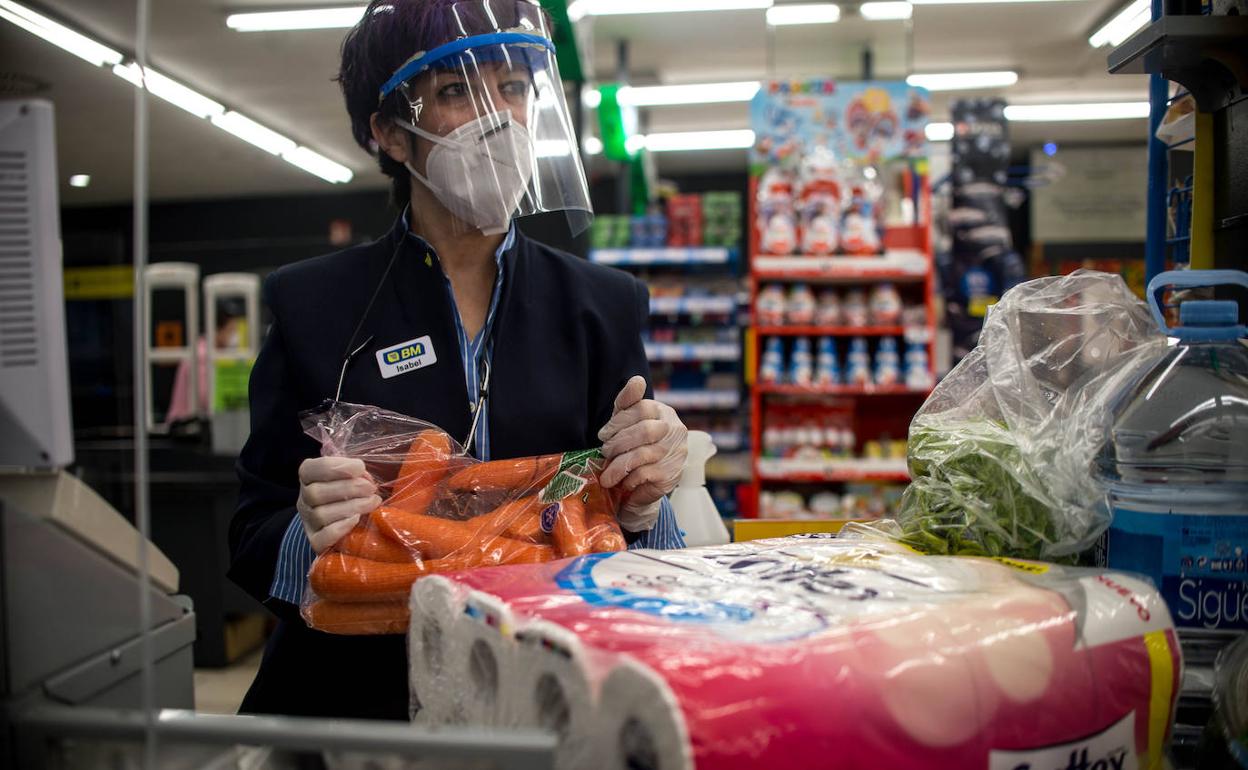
[[170, 90], [691, 93], [283, 21], [1064, 112], [965, 2], [593, 145], [938, 132], [963, 81], [803, 13], [886, 10], [59, 35], [582, 8], [699, 140], [1123, 24], [175, 93]]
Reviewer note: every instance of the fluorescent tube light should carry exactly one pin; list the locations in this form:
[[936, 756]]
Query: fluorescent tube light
[[804, 13], [250, 131], [886, 10], [962, 81], [964, 2], [582, 8], [693, 93], [1123, 24], [59, 35], [318, 165], [938, 132], [1063, 112], [170, 90], [699, 140], [313, 18], [80, 180]]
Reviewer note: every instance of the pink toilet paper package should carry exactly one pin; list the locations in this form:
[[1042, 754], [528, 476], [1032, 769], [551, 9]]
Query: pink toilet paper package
[[856, 652]]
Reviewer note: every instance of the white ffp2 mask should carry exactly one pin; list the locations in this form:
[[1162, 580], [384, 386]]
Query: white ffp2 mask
[[480, 171]]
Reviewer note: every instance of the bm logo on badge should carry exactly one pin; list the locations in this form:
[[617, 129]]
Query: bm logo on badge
[[406, 357], [404, 353]]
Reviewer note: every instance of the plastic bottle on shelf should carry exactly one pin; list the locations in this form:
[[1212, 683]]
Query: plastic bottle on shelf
[[800, 310], [917, 372], [770, 305], [848, 441], [771, 369], [773, 440], [827, 368], [802, 364], [854, 309], [885, 305], [858, 363], [828, 308], [887, 363]]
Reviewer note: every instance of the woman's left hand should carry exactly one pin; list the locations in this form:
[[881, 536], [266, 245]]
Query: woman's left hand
[[645, 444]]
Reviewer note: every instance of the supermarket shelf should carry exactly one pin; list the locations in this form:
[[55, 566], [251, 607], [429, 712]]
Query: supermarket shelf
[[896, 265], [719, 304], [699, 399], [727, 440], [697, 255], [761, 529], [705, 351], [831, 331], [815, 470], [842, 390]]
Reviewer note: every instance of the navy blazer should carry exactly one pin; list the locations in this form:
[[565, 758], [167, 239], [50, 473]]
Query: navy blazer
[[567, 335]]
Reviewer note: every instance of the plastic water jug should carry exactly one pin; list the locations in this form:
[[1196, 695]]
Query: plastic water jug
[[1176, 464]]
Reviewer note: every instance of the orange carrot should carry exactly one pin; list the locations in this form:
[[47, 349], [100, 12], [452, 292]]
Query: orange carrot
[[346, 578], [603, 528], [441, 538], [521, 474], [369, 542], [357, 617], [427, 461], [519, 519], [570, 533]]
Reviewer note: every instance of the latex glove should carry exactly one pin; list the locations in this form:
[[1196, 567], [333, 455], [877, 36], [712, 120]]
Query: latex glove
[[645, 444], [333, 493]]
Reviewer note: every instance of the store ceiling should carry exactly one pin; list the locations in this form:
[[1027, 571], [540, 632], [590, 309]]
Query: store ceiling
[[284, 79]]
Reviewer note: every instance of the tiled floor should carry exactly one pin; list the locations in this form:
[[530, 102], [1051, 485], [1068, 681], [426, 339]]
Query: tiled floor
[[221, 690]]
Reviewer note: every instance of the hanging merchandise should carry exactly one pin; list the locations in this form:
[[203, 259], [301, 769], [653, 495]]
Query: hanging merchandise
[[983, 263], [1001, 453], [1177, 464], [804, 653]]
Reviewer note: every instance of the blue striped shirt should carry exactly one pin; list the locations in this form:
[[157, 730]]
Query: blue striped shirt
[[295, 555]]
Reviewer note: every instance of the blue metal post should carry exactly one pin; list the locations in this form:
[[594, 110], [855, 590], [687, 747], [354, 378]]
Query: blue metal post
[[1155, 235]]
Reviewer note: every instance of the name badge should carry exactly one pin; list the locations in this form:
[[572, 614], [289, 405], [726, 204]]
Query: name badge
[[406, 357]]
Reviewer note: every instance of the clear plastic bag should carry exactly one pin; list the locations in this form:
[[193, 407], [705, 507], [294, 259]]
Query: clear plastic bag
[[1001, 453], [442, 511]]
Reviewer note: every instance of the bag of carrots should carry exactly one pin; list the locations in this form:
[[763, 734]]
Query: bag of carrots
[[443, 510]]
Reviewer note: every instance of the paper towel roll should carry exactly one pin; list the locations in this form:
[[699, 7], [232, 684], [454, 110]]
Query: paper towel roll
[[557, 690], [481, 658], [437, 605], [640, 725]]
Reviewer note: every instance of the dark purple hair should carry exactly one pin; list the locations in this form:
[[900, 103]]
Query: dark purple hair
[[387, 35]]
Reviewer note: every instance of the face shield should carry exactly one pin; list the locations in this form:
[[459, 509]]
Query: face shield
[[493, 136]]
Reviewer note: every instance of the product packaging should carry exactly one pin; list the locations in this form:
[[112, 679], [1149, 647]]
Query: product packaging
[[441, 511], [850, 653]]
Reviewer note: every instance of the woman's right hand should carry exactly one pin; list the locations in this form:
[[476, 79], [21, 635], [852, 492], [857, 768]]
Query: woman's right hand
[[333, 493]]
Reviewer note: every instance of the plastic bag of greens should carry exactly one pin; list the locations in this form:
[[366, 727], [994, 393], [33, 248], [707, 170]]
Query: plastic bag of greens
[[1000, 453]]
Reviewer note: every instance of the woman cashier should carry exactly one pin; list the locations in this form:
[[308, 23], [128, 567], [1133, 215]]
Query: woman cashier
[[529, 351]]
